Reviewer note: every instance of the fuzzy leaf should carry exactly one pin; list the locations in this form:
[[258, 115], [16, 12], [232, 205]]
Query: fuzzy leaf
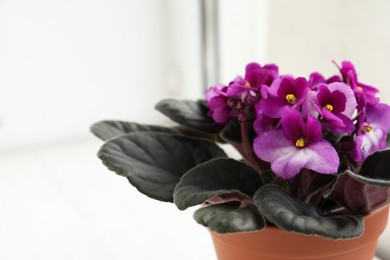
[[388, 139], [213, 178], [360, 198], [110, 128], [309, 186], [229, 218], [367, 190], [192, 114], [292, 215], [232, 132], [154, 162], [375, 169]]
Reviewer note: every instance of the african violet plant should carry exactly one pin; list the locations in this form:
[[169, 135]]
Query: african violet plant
[[313, 153]]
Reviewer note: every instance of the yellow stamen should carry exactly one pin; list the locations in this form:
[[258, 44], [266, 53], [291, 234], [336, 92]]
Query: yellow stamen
[[360, 88], [300, 142], [291, 98], [248, 84], [367, 128], [329, 107]]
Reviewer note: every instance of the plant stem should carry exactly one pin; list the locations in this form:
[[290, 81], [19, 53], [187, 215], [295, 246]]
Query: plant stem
[[248, 150]]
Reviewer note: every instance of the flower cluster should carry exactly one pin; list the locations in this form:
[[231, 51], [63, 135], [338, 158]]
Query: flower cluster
[[325, 125]]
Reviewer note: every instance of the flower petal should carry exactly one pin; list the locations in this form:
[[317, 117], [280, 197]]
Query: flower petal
[[313, 131], [252, 66], [263, 123], [271, 145], [292, 124], [235, 89], [350, 103], [289, 165], [338, 100], [286, 87], [221, 115], [379, 115], [372, 141], [346, 127], [315, 78], [308, 106], [323, 158], [273, 107]]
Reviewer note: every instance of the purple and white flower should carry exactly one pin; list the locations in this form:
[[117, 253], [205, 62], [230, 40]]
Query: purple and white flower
[[350, 77], [284, 93], [336, 103], [371, 134], [297, 145]]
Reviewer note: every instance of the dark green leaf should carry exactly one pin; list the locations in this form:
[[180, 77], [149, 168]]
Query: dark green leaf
[[110, 128], [154, 162], [213, 178], [192, 114], [388, 139], [229, 218], [232, 132], [292, 215], [367, 190], [375, 169], [359, 197], [309, 186], [197, 134]]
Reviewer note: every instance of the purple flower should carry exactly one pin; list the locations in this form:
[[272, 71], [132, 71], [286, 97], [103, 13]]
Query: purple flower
[[336, 103], [296, 146], [350, 77], [217, 101], [371, 134], [315, 79], [239, 98], [255, 77], [262, 122], [284, 92]]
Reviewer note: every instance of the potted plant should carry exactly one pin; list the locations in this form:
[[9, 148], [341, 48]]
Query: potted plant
[[314, 163]]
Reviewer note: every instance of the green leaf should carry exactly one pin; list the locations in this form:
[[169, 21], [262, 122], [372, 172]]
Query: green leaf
[[367, 190], [292, 215], [232, 132], [359, 197], [213, 178], [192, 114], [309, 186], [229, 218], [375, 169], [110, 128], [154, 162], [388, 139]]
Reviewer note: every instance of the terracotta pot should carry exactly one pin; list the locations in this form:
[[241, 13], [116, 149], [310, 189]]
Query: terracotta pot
[[274, 244]]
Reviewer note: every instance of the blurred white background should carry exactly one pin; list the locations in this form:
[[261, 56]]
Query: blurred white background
[[67, 64]]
